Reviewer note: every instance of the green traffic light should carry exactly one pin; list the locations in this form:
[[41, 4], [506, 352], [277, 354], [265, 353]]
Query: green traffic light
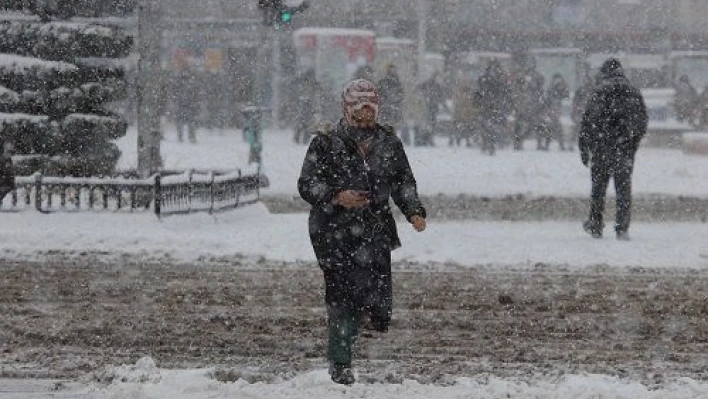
[[286, 17]]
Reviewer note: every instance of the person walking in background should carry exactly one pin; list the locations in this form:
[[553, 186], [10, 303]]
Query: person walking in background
[[464, 114], [527, 101], [685, 100], [7, 169], [703, 108], [552, 128], [614, 122], [307, 106], [392, 96], [350, 172], [433, 98], [187, 105], [580, 99], [494, 97]]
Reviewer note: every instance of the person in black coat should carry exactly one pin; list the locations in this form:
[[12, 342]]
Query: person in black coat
[[494, 97], [613, 124], [188, 101], [349, 173], [392, 97], [552, 109], [7, 169], [308, 94]]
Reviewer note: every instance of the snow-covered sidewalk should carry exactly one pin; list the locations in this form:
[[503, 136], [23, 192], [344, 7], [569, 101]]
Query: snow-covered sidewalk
[[253, 231], [443, 169], [146, 381]]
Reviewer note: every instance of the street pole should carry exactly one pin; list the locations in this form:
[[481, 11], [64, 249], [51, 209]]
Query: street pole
[[422, 33], [149, 87], [257, 107], [275, 78]]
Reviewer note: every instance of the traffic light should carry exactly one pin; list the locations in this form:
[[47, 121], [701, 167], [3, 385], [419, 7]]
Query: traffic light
[[277, 13], [286, 16]]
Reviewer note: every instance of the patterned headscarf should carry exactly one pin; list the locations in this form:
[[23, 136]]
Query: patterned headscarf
[[358, 95]]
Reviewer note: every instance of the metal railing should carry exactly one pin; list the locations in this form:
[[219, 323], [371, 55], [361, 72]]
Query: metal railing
[[165, 193]]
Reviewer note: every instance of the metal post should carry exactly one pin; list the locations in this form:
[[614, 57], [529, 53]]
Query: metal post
[[275, 78], [157, 195], [149, 87], [261, 66], [422, 33], [38, 191]]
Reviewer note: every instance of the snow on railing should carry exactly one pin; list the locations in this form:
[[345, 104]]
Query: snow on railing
[[165, 193]]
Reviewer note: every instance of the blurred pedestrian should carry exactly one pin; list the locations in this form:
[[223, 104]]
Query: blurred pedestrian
[[7, 169], [580, 99], [350, 172], [552, 128], [685, 100], [392, 96], [614, 122], [494, 97], [703, 107], [464, 114], [433, 99], [307, 105], [527, 102], [187, 106]]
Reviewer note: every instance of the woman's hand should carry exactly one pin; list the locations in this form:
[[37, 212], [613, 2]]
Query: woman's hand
[[418, 223], [351, 199]]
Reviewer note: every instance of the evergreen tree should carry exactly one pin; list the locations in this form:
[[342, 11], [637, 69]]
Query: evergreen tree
[[57, 80]]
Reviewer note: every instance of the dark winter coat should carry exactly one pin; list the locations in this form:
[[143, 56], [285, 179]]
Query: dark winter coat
[[558, 92], [187, 97], [494, 95], [308, 92], [614, 121], [334, 163], [392, 96], [7, 175], [528, 95]]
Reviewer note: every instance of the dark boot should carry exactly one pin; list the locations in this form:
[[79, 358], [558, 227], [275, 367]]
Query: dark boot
[[623, 235], [593, 228], [342, 374]]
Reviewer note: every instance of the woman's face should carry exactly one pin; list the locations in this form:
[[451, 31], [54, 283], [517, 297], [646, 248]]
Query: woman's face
[[362, 117]]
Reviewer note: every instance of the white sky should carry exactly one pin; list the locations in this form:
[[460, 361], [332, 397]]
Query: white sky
[[253, 231]]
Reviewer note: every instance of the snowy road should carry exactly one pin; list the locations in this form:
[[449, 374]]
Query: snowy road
[[68, 318]]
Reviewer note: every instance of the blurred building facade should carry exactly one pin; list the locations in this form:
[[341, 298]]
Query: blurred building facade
[[461, 20], [224, 35]]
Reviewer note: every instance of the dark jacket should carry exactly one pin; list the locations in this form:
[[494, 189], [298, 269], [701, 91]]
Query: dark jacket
[[614, 121], [188, 97], [7, 175], [494, 94], [334, 163], [392, 96], [555, 95]]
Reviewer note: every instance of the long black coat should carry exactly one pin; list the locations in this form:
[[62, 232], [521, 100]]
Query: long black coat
[[614, 121], [7, 175], [392, 96], [334, 163]]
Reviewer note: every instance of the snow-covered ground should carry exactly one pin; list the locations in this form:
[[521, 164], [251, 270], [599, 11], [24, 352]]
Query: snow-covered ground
[[252, 231], [443, 169], [144, 380]]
